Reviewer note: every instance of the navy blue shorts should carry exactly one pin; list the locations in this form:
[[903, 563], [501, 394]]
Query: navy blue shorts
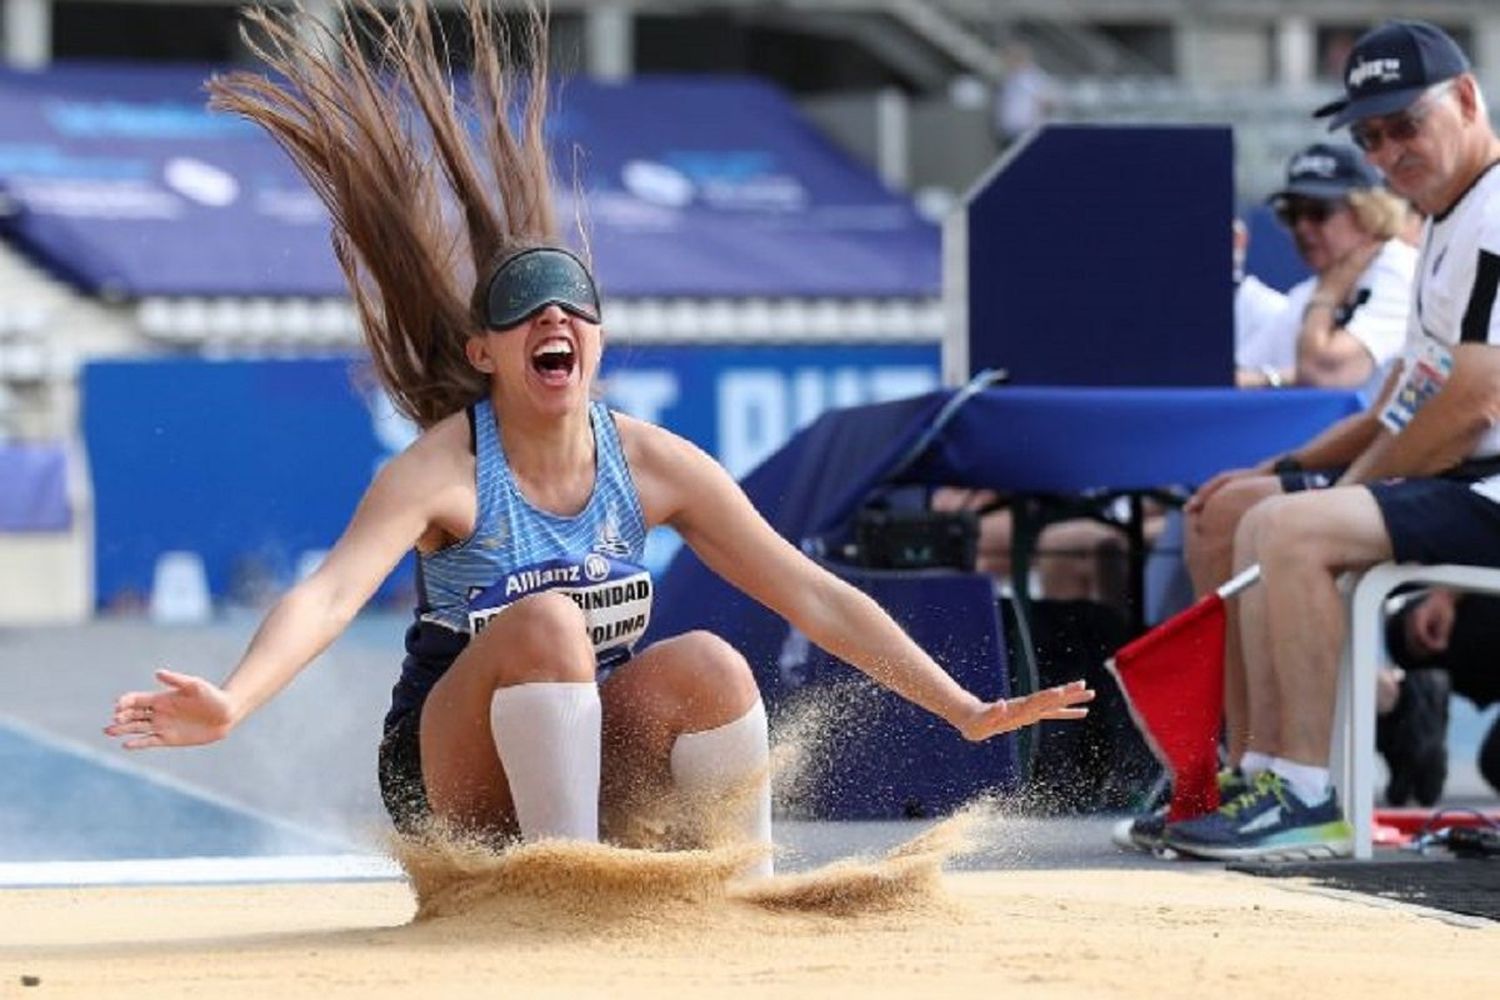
[[1439, 521], [430, 651], [399, 768]]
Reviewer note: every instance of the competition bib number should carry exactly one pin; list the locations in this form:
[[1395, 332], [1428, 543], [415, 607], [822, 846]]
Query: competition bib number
[[615, 597], [1424, 370]]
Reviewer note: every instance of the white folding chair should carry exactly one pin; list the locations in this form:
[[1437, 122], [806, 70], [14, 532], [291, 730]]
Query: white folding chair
[[1354, 724]]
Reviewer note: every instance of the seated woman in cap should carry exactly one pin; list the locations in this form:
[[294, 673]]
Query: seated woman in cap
[[1342, 327], [522, 706]]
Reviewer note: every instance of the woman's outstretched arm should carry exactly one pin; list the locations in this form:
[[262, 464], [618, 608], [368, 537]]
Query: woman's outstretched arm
[[687, 489], [187, 710]]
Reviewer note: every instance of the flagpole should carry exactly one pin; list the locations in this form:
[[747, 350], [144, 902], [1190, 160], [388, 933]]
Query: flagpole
[[1234, 585]]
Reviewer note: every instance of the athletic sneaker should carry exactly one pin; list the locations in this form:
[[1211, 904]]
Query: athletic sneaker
[[1144, 832], [1269, 822], [1140, 833]]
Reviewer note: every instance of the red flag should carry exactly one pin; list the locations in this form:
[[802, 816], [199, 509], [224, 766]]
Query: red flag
[[1173, 679]]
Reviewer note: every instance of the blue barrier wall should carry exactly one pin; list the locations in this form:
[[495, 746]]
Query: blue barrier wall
[[253, 463], [246, 463], [1101, 256]]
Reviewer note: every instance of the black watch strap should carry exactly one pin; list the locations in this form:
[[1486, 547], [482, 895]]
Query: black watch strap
[[1286, 463]]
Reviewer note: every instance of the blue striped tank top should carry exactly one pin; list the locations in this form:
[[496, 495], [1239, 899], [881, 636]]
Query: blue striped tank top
[[594, 557]]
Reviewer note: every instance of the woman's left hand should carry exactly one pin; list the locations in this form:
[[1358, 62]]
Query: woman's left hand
[[1065, 701]]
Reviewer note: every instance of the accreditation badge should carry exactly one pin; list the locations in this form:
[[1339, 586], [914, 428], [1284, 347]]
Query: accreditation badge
[[1424, 370]]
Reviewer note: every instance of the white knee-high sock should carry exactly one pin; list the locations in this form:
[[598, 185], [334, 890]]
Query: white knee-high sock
[[733, 761], [548, 736]]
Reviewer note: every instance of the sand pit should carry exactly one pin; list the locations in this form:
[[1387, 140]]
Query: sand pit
[[568, 920]]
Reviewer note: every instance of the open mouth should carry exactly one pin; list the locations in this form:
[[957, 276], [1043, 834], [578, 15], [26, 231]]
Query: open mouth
[[554, 359]]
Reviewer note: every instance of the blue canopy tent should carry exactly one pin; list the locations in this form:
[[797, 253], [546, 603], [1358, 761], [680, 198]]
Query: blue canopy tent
[[121, 180], [1025, 440]]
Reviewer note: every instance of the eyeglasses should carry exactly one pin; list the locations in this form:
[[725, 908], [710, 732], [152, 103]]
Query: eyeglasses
[[1403, 126], [1289, 210]]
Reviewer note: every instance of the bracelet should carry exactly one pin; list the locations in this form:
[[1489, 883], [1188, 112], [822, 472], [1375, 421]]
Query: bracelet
[[1273, 376], [1318, 302]]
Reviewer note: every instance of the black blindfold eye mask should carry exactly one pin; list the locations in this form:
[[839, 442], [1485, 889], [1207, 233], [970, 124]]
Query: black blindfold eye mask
[[533, 280]]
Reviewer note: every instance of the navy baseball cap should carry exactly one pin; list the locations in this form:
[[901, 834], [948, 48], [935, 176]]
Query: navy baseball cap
[[1327, 172], [1390, 66]]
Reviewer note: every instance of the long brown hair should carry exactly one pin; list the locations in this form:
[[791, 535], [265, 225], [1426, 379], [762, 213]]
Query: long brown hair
[[381, 137]]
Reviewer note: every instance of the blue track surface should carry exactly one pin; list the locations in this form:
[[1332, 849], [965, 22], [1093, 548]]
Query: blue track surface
[[63, 804]]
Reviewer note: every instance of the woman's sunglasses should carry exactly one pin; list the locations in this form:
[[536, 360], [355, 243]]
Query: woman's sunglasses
[[1289, 210]]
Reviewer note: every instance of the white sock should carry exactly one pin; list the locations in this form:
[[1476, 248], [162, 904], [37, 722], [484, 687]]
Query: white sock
[[1254, 762], [727, 760], [1309, 783], [548, 736]]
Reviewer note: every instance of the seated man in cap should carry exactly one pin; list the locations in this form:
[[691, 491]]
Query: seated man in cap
[[1424, 483], [1342, 327]]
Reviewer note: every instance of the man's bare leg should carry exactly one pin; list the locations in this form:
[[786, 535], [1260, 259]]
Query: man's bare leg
[[1208, 544], [1311, 539], [1249, 613]]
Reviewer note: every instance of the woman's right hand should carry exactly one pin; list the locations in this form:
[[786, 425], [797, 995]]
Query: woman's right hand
[[1337, 282], [187, 711], [1066, 701]]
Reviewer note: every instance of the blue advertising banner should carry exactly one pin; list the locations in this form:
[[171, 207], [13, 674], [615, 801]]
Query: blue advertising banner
[[121, 180], [254, 465]]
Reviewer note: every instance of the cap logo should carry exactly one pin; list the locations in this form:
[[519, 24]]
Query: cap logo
[[1317, 165], [1383, 70]]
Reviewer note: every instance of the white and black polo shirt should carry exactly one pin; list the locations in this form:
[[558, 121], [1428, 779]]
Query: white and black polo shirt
[[1458, 277]]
